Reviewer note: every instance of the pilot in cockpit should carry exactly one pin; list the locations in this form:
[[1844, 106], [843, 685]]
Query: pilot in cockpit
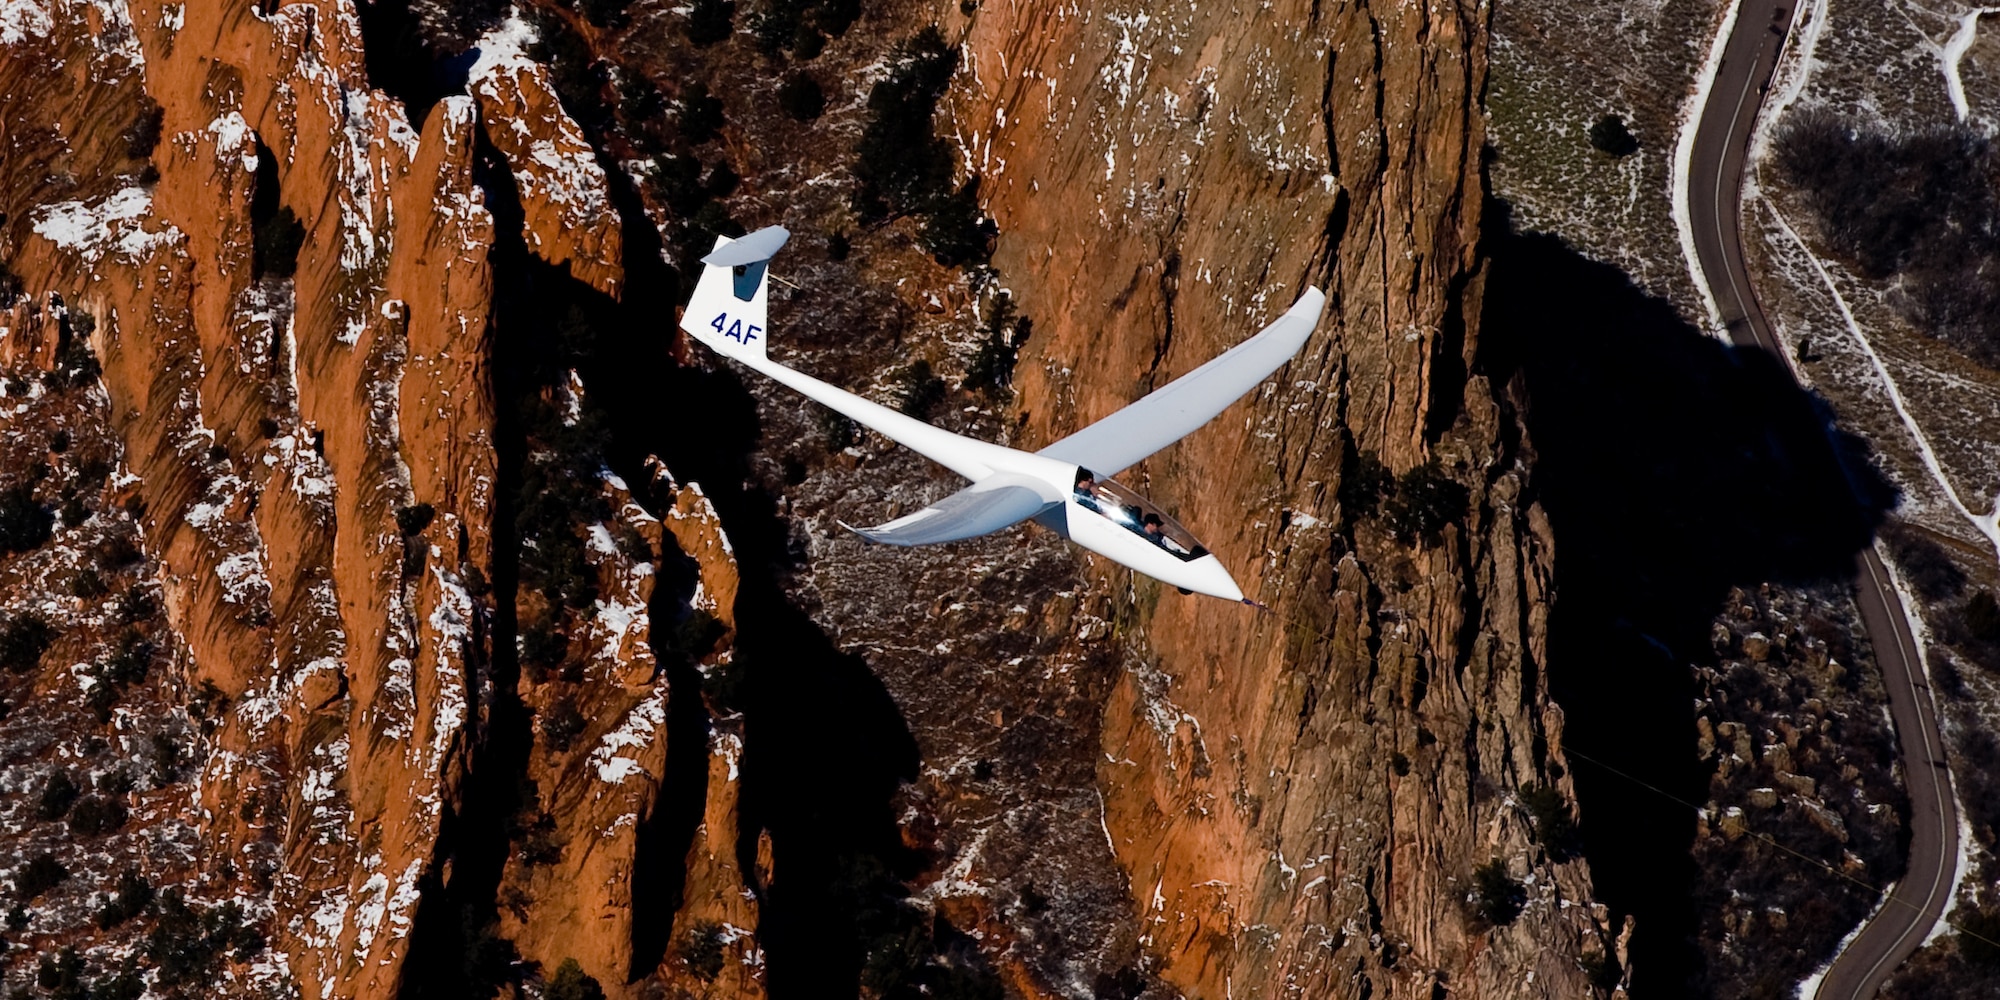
[[1156, 533]]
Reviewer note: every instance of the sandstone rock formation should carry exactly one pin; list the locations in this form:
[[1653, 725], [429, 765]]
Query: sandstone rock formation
[[1055, 777]]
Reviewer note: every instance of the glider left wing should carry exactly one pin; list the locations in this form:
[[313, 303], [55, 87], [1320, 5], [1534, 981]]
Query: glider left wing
[[1172, 412], [979, 509]]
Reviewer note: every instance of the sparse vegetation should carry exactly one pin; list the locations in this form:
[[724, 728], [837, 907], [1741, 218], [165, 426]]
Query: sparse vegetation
[[1917, 207], [188, 946]]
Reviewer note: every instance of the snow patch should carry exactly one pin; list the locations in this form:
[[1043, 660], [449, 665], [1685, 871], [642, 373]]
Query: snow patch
[[646, 718], [1953, 53], [113, 225], [21, 20]]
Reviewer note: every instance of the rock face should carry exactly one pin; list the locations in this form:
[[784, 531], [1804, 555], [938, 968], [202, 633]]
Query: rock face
[[1300, 798], [478, 682]]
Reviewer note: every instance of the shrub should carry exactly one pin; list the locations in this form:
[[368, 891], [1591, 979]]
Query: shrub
[[801, 27], [87, 584], [801, 97], [62, 974], [1362, 485], [1979, 938], [1982, 617], [695, 637], [956, 231], [539, 844], [841, 432], [570, 983], [1602, 970], [919, 391], [132, 660], [1915, 205], [1496, 898], [700, 114], [126, 984], [412, 520], [1425, 501], [1924, 563], [58, 794], [1555, 829], [1610, 136], [903, 165], [992, 368], [23, 640], [96, 815], [703, 952], [142, 136], [133, 896], [24, 523], [711, 21], [561, 723], [42, 873]]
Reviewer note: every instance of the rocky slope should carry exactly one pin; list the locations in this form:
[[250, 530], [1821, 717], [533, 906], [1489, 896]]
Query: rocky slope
[[506, 694]]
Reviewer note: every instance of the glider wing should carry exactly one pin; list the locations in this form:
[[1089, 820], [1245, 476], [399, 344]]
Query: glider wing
[[1175, 410], [979, 509]]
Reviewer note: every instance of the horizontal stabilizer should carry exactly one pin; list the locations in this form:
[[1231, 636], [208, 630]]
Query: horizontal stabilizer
[[760, 245], [1172, 412], [980, 509]]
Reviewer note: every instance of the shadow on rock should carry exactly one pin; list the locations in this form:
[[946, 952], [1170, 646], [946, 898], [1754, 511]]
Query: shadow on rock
[[1672, 466]]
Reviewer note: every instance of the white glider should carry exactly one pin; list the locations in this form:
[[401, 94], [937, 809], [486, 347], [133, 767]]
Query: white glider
[[1065, 486]]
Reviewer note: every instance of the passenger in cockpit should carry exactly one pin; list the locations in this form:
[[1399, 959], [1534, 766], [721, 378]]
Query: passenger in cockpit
[[1086, 489]]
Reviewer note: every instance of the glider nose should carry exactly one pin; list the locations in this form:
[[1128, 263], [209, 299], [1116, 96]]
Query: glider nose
[[1206, 576]]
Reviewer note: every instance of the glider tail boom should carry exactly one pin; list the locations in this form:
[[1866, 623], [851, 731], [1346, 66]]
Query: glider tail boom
[[728, 309]]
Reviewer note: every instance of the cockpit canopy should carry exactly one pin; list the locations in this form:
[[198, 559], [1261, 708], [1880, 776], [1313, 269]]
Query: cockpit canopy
[[1122, 506]]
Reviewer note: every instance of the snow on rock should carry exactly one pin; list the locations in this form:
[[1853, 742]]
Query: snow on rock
[[565, 197], [21, 20], [113, 225], [637, 732]]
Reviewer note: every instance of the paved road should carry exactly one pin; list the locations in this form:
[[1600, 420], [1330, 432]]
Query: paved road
[[1715, 185]]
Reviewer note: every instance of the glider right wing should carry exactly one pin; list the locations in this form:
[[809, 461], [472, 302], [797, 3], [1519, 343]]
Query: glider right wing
[[1175, 410], [979, 509]]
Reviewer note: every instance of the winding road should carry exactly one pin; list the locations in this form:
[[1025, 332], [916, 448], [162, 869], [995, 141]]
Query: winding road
[[1715, 186]]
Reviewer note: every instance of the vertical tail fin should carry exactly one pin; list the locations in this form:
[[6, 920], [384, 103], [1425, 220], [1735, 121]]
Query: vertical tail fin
[[728, 309]]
